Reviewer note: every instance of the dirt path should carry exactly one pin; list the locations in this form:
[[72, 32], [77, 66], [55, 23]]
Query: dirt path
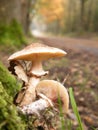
[[90, 46]]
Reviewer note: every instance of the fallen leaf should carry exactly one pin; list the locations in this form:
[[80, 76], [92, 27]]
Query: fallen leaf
[[21, 73]]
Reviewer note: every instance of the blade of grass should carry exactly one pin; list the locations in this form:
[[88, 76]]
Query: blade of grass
[[74, 106], [61, 113], [66, 124]]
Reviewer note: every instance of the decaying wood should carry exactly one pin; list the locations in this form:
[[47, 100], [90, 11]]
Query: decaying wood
[[35, 108]]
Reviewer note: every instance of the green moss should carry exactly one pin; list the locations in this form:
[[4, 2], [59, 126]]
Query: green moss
[[8, 81], [9, 118], [12, 34]]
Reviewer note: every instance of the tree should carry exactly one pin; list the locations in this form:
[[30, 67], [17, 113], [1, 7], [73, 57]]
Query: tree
[[51, 10], [15, 9], [82, 13]]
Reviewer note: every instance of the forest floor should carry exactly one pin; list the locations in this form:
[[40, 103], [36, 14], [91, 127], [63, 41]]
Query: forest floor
[[80, 69]]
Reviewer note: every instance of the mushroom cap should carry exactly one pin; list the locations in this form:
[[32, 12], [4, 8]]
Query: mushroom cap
[[54, 91], [37, 51]]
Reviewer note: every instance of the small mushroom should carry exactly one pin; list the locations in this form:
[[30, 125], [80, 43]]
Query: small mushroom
[[36, 53], [56, 92]]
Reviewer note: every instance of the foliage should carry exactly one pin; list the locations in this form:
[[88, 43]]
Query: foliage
[[51, 13], [11, 34], [49, 10], [62, 16]]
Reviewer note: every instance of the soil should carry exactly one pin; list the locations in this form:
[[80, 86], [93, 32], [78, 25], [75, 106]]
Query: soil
[[81, 72]]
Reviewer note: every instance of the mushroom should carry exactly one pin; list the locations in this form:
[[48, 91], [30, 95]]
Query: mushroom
[[56, 92], [36, 53]]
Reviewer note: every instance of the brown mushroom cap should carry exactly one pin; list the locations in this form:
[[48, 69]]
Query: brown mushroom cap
[[54, 91], [35, 51]]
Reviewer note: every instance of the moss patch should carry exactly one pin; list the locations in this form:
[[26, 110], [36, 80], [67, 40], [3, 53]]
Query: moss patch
[[11, 35], [9, 118], [8, 81]]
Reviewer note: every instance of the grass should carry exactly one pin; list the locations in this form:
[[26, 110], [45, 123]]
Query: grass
[[68, 124], [74, 106], [61, 113]]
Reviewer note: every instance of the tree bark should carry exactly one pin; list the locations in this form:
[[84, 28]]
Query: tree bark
[[15, 9], [82, 11], [10, 10], [89, 17], [25, 14]]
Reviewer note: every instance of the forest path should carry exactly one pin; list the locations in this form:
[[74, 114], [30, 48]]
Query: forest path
[[77, 44]]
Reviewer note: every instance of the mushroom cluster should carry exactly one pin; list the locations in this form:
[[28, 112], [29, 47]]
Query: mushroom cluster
[[47, 90]]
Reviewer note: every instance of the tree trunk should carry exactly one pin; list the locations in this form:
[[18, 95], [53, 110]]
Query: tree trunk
[[15, 9], [89, 16], [10, 10], [25, 14], [82, 11]]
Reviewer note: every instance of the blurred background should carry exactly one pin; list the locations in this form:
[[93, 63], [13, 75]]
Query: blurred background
[[56, 16], [71, 25]]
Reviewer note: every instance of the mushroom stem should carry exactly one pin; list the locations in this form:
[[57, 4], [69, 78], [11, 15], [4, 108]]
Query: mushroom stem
[[30, 94], [37, 69], [35, 74], [36, 66]]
